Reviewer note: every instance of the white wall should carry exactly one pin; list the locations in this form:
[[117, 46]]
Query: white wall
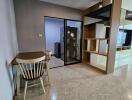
[[8, 48], [52, 31]]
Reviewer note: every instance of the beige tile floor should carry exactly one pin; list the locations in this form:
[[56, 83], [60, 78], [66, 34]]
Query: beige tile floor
[[80, 82], [55, 62]]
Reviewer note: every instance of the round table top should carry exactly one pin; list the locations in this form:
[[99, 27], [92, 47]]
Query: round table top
[[28, 55]]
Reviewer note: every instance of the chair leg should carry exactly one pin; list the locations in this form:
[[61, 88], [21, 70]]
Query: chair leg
[[48, 76], [47, 73], [25, 90], [41, 80]]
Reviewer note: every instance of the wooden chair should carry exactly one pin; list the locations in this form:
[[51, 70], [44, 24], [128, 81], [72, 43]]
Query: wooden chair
[[31, 70]]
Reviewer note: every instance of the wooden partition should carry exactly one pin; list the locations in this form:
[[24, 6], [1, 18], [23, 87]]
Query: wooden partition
[[97, 46]]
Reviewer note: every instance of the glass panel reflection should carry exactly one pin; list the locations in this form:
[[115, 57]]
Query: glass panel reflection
[[124, 39], [73, 41]]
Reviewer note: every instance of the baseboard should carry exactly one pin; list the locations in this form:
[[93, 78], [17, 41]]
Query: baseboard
[[14, 97], [15, 94]]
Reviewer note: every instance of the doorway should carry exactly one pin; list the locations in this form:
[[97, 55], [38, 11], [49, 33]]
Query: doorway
[[63, 39]]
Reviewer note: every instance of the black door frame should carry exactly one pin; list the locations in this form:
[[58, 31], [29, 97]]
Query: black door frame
[[65, 48]]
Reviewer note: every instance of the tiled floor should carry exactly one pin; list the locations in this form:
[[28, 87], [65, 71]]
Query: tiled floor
[[55, 62], [80, 82]]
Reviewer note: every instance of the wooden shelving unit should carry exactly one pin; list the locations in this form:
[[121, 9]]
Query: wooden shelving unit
[[96, 39], [95, 52], [92, 45], [96, 35]]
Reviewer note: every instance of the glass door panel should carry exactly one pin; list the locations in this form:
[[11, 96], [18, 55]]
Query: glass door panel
[[73, 36]]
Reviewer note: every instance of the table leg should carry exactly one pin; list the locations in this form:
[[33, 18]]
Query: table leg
[[18, 80], [47, 73]]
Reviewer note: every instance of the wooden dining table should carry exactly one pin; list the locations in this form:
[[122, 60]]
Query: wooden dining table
[[27, 56]]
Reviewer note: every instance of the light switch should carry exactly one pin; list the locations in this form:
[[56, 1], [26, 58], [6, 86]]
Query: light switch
[[40, 35]]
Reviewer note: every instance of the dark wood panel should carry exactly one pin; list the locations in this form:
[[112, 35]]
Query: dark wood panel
[[28, 55]]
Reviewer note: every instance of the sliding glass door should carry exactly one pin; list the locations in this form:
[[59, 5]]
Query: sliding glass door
[[73, 45]]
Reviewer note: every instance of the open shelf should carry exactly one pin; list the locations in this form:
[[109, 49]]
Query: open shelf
[[99, 67], [95, 45], [96, 39], [95, 52]]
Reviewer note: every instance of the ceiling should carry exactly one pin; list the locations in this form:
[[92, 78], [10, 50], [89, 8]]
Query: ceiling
[[83, 4], [78, 4]]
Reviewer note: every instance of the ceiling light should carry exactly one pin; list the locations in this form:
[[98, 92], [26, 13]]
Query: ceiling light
[[101, 4], [68, 32], [130, 14]]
